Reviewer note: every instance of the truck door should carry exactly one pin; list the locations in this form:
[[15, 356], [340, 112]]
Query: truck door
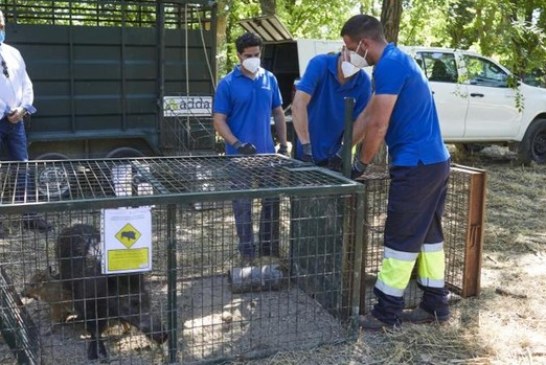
[[492, 109], [450, 96]]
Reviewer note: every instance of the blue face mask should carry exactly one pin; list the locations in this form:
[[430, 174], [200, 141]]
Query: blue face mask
[[2, 36]]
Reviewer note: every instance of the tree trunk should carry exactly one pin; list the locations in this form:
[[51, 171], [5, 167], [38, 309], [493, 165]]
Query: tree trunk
[[221, 35], [391, 13], [268, 7]]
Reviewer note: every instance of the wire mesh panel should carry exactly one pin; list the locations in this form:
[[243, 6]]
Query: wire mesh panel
[[202, 300], [462, 226], [50, 294], [276, 302], [186, 135], [464, 219], [16, 327], [187, 121]]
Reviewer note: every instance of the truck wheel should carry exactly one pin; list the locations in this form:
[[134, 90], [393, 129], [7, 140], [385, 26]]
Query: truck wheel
[[533, 145], [52, 156], [124, 152], [52, 181]]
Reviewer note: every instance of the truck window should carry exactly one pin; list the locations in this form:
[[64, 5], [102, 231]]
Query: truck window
[[482, 72], [419, 61], [438, 66]]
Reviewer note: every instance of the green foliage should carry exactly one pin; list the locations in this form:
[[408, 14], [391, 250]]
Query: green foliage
[[511, 30], [424, 23], [526, 47], [316, 19], [303, 18], [460, 17]]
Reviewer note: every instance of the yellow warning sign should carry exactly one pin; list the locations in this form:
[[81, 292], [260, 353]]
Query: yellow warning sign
[[128, 235], [122, 260]]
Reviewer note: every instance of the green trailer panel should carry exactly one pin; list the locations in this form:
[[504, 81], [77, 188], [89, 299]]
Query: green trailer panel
[[100, 69]]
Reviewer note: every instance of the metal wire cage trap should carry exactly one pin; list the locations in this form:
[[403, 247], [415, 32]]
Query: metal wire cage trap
[[463, 224], [201, 301]]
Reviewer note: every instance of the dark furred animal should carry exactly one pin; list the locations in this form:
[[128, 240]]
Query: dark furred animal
[[99, 297]]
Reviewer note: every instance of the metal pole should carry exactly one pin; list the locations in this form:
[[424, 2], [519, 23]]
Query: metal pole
[[360, 249], [348, 137], [171, 283], [160, 27]]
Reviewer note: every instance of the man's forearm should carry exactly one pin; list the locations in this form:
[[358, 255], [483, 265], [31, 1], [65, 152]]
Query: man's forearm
[[359, 127], [280, 126], [371, 144], [300, 117], [301, 124], [223, 130], [28, 91]]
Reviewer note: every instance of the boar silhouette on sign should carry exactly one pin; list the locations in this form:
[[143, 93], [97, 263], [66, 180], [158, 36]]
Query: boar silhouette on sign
[[129, 235]]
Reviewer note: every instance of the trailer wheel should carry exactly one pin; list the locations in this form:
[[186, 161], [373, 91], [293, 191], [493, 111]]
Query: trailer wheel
[[52, 181], [124, 152], [533, 145]]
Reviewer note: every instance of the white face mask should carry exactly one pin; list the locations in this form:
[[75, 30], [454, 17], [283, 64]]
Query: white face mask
[[358, 60], [252, 64], [348, 69]]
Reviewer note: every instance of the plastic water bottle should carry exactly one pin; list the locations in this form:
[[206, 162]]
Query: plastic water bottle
[[255, 278]]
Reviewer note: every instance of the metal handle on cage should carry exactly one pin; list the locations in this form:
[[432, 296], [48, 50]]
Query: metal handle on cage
[[348, 137]]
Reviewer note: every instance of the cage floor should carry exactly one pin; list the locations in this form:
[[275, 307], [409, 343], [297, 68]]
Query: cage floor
[[218, 324], [213, 324]]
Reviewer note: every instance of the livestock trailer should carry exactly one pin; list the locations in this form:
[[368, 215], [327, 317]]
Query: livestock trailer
[[105, 71]]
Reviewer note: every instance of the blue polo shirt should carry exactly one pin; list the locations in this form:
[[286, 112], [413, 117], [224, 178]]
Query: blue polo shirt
[[248, 103], [413, 135], [326, 110]]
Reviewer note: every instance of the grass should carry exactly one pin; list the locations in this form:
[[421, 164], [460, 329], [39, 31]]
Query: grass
[[507, 323]]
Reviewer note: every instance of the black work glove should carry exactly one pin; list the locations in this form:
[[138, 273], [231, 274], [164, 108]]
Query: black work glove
[[245, 148], [283, 150], [358, 169], [307, 155], [335, 162]]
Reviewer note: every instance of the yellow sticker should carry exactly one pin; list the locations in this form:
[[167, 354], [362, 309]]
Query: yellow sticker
[[128, 235], [119, 260]]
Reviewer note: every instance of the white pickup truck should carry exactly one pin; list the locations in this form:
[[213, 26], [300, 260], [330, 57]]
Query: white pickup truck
[[476, 105]]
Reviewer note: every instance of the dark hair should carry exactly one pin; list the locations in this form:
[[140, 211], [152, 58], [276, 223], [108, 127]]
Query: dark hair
[[360, 26], [247, 40]]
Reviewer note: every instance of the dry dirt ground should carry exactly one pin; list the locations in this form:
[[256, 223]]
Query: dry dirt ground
[[507, 323]]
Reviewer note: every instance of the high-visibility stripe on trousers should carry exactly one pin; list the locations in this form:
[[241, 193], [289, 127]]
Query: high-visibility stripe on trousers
[[397, 267]]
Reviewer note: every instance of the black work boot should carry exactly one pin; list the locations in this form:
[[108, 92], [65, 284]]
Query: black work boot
[[370, 322], [419, 315]]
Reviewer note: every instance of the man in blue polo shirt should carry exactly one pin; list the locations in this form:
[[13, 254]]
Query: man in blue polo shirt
[[402, 112], [244, 101], [318, 107]]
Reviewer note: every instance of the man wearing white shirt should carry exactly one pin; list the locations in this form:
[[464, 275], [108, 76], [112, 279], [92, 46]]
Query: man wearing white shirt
[[16, 98]]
